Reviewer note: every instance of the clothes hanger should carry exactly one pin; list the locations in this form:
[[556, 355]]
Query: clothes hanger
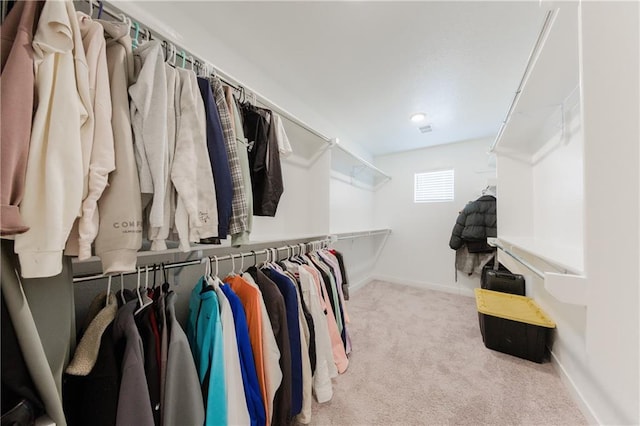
[[184, 58], [135, 42], [124, 301], [106, 303], [255, 258], [100, 8], [143, 299], [91, 9], [165, 285]]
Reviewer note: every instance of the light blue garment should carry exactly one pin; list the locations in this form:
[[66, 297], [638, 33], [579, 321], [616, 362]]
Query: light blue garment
[[204, 331]]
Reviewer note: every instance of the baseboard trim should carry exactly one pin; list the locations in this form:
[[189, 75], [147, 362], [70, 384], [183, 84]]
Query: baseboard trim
[[354, 287], [577, 396], [424, 284]]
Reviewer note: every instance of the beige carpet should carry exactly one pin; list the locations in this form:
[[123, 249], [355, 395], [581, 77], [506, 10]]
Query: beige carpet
[[418, 359]]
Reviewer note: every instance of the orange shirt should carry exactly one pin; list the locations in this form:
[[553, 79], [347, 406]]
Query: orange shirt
[[250, 298]]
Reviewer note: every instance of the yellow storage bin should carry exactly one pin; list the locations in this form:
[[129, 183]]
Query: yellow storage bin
[[513, 324]]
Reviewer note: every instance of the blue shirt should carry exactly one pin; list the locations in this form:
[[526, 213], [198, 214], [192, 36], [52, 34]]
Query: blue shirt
[[290, 295], [247, 364], [204, 332]]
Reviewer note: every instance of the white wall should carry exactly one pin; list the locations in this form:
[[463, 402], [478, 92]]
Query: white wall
[[417, 251], [169, 19], [351, 207], [597, 344], [611, 109]]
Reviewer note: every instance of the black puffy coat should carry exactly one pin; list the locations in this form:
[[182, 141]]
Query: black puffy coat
[[476, 222]]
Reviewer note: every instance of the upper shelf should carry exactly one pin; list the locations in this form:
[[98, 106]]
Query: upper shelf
[[547, 90], [355, 169]]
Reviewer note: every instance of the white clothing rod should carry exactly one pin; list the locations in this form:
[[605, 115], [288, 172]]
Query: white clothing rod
[[522, 261], [355, 235], [532, 56]]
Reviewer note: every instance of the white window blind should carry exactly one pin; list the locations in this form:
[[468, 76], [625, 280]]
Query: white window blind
[[432, 187]]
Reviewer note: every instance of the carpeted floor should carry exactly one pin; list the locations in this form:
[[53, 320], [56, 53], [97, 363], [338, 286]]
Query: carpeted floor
[[418, 359]]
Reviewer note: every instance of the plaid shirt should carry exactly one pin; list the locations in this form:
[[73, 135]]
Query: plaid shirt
[[239, 209]]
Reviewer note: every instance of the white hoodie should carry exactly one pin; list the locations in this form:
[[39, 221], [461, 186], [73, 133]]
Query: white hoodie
[[120, 234], [149, 121], [54, 177]]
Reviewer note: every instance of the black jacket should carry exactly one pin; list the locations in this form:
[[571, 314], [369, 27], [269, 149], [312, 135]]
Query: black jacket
[[476, 222]]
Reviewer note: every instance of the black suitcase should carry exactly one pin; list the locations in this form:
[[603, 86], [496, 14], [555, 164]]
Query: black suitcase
[[505, 282]]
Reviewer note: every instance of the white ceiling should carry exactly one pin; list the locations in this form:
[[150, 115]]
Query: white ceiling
[[366, 66]]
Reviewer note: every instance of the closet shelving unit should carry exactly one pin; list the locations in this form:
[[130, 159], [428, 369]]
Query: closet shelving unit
[[353, 169], [539, 157], [384, 233]]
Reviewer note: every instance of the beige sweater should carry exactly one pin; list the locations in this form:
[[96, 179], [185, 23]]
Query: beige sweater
[[54, 177], [98, 140], [120, 234]]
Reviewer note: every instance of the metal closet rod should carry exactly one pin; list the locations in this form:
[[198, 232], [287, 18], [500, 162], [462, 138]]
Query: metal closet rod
[[172, 265], [116, 13], [365, 234], [522, 261]]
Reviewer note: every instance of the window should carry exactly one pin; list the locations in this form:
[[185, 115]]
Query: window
[[433, 187]]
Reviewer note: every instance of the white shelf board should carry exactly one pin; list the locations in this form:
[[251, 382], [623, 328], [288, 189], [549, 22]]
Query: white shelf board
[[356, 168], [570, 258], [551, 80]]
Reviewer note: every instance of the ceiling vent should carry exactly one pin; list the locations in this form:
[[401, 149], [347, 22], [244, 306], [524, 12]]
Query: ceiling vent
[[425, 129]]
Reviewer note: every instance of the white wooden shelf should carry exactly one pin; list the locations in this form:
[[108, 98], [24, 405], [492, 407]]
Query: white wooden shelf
[[569, 258], [548, 90], [351, 168], [565, 287]]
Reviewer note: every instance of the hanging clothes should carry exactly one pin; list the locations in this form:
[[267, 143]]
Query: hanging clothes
[[325, 367], [218, 158], [147, 324], [277, 131], [343, 273], [54, 177], [120, 230], [274, 302], [148, 119], [306, 329], [339, 355], [272, 370], [252, 393], [134, 403], [17, 98], [91, 381], [238, 223], [196, 210], [159, 235], [182, 402], [250, 298], [242, 237], [237, 411], [288, 292], [264, 160], [98, 140], [204, 332]]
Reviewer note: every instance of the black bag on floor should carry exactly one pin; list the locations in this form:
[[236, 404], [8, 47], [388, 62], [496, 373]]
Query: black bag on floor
[[505, 282]]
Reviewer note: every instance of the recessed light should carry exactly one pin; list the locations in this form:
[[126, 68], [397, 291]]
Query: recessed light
[[418, 117]]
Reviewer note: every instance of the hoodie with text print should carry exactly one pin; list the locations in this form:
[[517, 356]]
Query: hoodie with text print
[[120, 234]]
